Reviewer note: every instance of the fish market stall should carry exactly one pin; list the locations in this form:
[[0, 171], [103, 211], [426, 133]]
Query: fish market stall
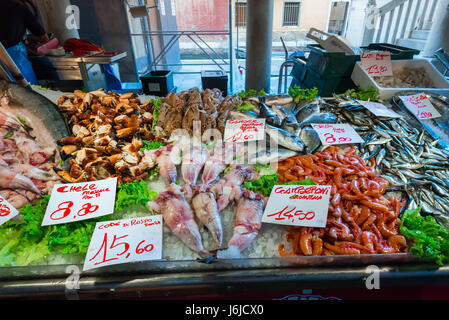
[[213, 210]]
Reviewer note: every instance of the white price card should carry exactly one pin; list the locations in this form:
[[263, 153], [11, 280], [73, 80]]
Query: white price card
[[336, 133], [298, 205], [123, 241], [80, 201], [244, 130], [420, 106], [377, 63], [378, 109], [7, 211]]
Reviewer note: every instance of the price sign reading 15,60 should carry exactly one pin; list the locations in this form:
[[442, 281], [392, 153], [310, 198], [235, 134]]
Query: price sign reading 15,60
[[123, 241]]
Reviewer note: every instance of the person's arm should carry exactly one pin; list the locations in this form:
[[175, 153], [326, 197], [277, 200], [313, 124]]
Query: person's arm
[[32, 24], [39, 39]]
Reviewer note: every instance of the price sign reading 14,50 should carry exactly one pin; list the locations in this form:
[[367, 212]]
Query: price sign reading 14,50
[[292, 214]]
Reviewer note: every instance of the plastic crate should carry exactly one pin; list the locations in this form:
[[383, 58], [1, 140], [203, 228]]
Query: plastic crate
[[397, 52], [330, 64], [212, 79], [305, 77], [157, 83]]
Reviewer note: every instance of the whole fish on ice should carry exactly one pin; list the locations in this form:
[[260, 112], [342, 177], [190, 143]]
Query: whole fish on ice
[[178, 216]]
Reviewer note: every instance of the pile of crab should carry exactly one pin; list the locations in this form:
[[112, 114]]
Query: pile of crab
[[108, 130]]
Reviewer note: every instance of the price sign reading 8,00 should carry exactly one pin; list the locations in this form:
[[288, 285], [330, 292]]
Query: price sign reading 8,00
[[330, 138]]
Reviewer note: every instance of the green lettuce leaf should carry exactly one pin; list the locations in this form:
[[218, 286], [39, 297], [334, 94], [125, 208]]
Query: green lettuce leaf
[[428, 239], [299, 94], [157, 110], [134, 193]]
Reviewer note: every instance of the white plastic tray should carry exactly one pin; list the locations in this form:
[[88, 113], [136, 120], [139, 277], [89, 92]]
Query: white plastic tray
[[363, 79]]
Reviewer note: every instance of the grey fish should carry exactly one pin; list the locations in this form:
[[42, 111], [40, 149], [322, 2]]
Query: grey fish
[[270, 116], [326, 117], [289, 121], [306, 111], [284, 138], [41, 107], [310, 138], [271, 155], [278, 100]]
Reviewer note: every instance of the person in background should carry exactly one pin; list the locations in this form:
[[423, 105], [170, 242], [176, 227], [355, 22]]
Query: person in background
[[17, 17]]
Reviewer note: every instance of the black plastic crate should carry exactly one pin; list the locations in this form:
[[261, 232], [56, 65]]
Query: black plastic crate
[[330, 64], [212, 79], [397, 52], [306, 78], [157, 83]]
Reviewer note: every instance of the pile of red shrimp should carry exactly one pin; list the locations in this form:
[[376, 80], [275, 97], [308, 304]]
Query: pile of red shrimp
[[361, 219]]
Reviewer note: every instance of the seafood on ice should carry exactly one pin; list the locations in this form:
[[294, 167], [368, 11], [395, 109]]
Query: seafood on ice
[[181, 110], [26, 165], [362, 219], [178, 216], [206, 210], [229, 187], [248, 219], [108, 130]]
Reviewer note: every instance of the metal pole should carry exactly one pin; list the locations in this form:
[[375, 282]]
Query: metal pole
[[438, 35], [231, 51], [259, 43]]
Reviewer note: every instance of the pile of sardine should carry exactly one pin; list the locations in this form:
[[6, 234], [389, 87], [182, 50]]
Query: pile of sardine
[[407, 156]]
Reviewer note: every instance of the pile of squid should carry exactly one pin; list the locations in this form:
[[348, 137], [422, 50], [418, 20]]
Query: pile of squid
[[362, 219], [108, 132], [26, 166], [186, 208], [180, 110]]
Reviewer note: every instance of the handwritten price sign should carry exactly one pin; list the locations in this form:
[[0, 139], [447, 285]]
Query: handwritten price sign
[[336, 133], [378, 109], [377, 63], [80, 201], [7, 211], [298, 205], [244, 130], [123, 241], [420, 106]]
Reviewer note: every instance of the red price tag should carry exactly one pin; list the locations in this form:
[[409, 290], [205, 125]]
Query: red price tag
[[336, 133], [123, 241], [420, 106], [377, 63], [244, 130], [7, 211], [80, 201], [298, 205]]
